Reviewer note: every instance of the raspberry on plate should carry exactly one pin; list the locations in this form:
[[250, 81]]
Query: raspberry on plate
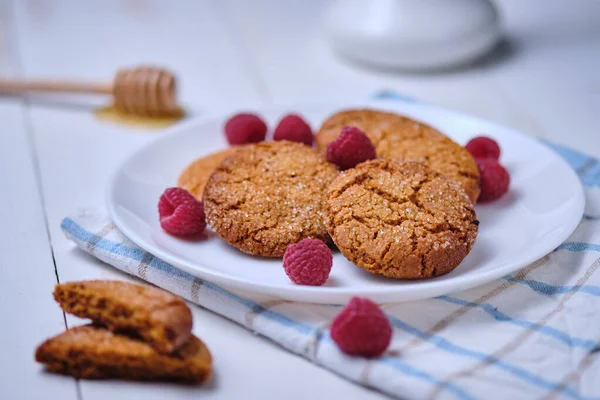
[[245, 128], [483, 147], [308, 262], [362, 329], [293, 128], [180, 213], [494, 179], [350, 148]]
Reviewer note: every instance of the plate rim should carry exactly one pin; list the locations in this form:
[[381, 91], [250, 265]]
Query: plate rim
[[229, 281]]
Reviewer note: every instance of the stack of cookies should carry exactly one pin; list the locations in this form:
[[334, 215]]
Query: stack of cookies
[[137, 332], [407, 214]]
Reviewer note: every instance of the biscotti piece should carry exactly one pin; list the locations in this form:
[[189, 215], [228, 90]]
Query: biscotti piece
[[160, 318], [91, 352], [402, 220]]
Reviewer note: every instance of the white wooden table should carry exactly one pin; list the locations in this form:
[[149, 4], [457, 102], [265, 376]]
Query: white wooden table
[[55, 159]]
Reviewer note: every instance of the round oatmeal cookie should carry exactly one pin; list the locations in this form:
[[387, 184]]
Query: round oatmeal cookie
[[194, 176], [400, 219], [395, 136], [269, 195]]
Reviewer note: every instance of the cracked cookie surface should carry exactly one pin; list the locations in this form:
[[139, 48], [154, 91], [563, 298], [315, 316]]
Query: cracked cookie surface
[[400, 219], [395, 136], [269, 195]]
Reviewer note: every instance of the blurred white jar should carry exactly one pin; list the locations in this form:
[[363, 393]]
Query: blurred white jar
[[413, 34]]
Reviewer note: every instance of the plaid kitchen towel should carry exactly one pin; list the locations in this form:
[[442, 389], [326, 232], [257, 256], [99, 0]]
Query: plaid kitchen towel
[[531, 334]]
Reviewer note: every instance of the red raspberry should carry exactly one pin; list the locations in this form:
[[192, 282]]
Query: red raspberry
[[362, 329], [292, 127], [350, 148], [180, 213], [483, 147], [494, 179], [245, 128], [308, 262]]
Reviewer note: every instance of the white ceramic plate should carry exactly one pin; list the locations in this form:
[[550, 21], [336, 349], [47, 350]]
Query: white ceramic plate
[[528, 222]]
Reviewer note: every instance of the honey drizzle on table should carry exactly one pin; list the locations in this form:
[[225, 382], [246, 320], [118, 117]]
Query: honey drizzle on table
[[112, 115]]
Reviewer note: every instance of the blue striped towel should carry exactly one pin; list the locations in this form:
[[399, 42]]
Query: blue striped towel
[[531, 334]]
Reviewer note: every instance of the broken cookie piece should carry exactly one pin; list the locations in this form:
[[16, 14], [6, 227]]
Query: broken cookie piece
[[160, 318], [91, 352]]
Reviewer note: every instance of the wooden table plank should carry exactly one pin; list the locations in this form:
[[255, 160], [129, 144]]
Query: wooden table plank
[[27, 270], [26, 265]]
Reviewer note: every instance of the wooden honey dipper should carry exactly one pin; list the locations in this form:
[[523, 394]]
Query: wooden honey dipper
[[143, 91]]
